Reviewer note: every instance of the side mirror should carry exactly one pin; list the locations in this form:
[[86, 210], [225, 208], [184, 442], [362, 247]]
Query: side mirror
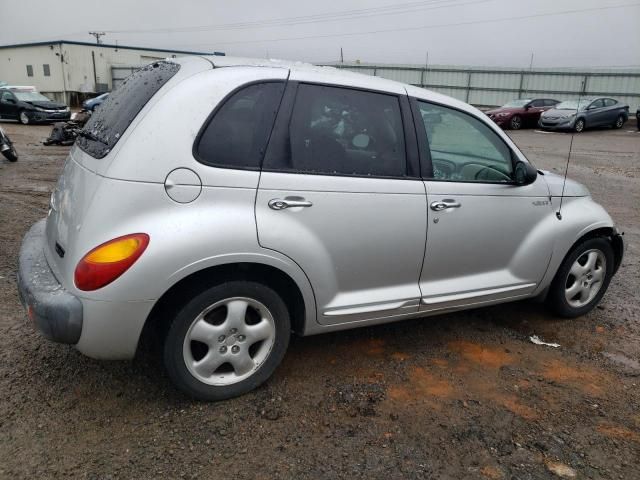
[[527, 106], [10, 100], [524, 173]]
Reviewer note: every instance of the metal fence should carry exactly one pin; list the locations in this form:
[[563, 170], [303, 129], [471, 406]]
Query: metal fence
[[486, 87], [493, 87]]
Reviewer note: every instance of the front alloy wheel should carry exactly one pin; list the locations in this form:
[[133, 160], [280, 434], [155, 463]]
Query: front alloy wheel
[[585, 278], [582, 279], [227, 340], [515, 123], [619, 122], [579, 126], [24, 118]]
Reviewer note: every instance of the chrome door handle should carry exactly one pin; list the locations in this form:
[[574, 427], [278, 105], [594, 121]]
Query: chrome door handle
[[282, 203], [440, 205]]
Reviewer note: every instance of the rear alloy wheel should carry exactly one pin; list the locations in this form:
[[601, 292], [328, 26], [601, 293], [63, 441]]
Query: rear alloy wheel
[[582, 279], [24, 118], [579, 126], [619, 122], [227, 340], [515, 123]]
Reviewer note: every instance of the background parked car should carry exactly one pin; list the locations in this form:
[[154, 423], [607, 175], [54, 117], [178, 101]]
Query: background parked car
[[524, 112], [93, 103], [27, 105], [587, 113]]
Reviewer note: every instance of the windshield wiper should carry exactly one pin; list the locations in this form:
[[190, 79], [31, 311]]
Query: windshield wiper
[[91, 136]]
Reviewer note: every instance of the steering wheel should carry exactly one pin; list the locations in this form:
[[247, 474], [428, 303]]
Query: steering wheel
[[485, 173]]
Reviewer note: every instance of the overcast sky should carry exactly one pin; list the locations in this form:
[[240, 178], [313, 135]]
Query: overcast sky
[[460, 32]]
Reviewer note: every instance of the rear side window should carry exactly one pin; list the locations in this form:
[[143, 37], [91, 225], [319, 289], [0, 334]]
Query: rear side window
[[236, 135], [609, 102], [550, 103], [341, 131], [109, 122]]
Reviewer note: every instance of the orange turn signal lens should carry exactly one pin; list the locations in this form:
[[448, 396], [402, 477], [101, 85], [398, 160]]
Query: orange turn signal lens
[[108, 261]]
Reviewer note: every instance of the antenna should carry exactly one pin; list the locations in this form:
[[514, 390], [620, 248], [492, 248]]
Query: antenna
[[566, 168], [98, 35]]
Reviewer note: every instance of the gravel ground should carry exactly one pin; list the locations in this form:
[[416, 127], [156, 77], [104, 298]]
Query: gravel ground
[[459, 396]]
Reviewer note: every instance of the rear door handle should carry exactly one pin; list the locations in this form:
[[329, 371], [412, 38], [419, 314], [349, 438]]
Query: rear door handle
[[282, 203], [445, 204]]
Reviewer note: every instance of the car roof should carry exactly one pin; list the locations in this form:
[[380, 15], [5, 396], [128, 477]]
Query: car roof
[[308, 71], [302, 71]]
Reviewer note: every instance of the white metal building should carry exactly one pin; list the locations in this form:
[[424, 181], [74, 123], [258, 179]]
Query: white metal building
[[65, 70]]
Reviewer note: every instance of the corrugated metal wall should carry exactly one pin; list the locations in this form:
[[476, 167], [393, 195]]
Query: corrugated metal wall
[[493, 87]]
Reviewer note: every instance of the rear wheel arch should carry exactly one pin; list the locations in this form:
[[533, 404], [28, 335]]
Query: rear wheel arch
[[165, 309]]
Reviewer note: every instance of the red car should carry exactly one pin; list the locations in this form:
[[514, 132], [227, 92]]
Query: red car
[[524, 112]]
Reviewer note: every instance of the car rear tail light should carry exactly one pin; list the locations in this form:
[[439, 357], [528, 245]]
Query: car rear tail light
[[108, 261]]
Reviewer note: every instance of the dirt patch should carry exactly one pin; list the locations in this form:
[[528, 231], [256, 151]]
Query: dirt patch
[[422, 384], [481, 354], [494, 473], [589, 380], [621, 433]]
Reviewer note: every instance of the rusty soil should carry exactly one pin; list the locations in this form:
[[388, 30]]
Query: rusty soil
[[463, 395]]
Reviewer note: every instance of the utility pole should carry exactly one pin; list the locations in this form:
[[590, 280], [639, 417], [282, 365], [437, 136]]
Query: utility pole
[[97, 35], [423, 74], [341, 56]]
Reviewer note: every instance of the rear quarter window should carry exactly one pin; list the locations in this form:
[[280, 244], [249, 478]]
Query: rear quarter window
[[116, 113]]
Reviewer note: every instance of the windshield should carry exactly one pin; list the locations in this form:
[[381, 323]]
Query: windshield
[[573, 105], [109, 122], [517, 103], [30, 96]]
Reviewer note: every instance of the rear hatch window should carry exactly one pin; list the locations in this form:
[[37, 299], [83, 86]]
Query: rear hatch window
[[113, 117]]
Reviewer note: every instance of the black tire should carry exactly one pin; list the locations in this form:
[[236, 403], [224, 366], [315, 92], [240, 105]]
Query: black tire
[[23, 118], [556, 299], [619, 123], [580, 125], [515, 123], [173, 345], [11, 154]]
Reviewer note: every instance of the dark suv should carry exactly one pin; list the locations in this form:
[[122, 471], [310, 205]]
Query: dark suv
[[27, 105]]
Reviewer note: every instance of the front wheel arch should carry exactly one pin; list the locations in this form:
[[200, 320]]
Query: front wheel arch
[[610, 233]]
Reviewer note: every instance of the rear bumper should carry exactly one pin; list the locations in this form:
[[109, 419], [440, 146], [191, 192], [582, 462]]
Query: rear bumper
[[56, 313]]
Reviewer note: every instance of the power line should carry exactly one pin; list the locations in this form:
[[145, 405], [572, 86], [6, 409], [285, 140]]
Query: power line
[[422, 27], [316, 18]]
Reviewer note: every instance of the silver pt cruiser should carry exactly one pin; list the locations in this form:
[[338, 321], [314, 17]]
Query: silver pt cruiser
[[221, 203]]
